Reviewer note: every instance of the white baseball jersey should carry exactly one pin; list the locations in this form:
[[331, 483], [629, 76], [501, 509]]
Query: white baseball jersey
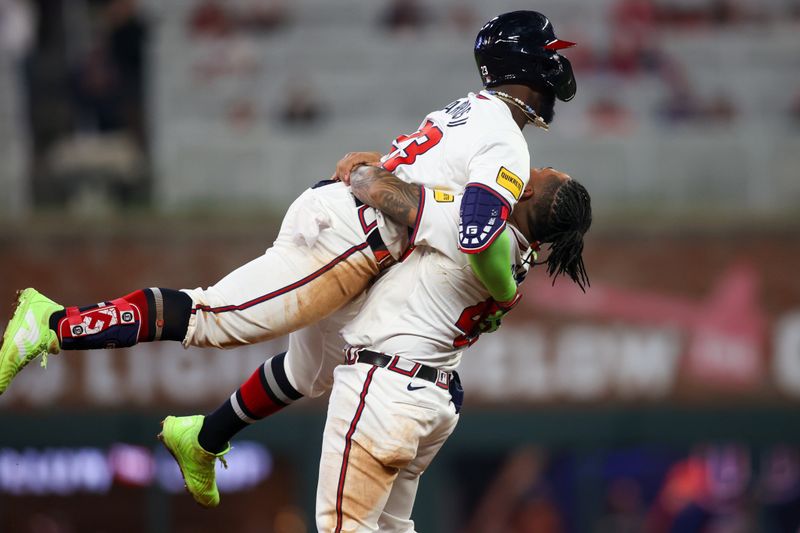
[[384, 427], [426, 308], [473, 140]]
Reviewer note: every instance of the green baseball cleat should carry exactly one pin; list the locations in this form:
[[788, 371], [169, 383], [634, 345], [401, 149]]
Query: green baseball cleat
[[28, 335], [179, 435]]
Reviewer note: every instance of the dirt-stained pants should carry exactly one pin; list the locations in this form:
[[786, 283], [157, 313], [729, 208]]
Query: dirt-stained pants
[[319, 262], [382, 431]]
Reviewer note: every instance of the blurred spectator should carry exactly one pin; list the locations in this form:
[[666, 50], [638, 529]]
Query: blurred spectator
[[462, 18], [302, 107], [633, 42], [779, 489], [635, 17], [127, 36], [624, 508], [88, 107], [97, 93], [288, 520], [794, 110], [242, 114], [720, 109], [608, 117], [681, 104], [506, 498], [264, 15], [630, 56], [210, 19], [624, 56], [725, 13], [108, 83], [127, 32], [404, 16], [536, 513], [705, 493], [794, 10], [709, 490]]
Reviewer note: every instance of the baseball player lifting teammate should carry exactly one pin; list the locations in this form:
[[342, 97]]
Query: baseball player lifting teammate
[[329, 249], [395, 402], [388, 417], [306, 369]]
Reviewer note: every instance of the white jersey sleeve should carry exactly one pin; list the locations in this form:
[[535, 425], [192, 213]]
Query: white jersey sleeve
[[475, 142], [501, 164], [437, 223]]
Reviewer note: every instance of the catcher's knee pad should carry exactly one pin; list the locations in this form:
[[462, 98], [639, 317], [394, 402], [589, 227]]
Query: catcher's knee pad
[[483, 217]]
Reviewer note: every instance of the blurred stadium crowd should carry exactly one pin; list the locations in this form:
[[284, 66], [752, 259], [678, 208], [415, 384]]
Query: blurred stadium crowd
[[710, 488], [131, 94], [686, 130]]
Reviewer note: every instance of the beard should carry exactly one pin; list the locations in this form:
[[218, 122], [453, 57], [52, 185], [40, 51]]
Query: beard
[[547, 106]]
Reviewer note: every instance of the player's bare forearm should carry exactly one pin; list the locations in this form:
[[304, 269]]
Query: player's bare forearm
[[380, 189]]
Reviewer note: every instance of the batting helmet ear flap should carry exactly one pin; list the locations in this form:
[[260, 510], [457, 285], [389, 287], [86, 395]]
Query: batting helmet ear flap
[[562, 79]]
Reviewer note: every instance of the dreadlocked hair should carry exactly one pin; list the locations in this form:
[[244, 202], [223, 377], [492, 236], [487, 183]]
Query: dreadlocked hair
[[569, 219]]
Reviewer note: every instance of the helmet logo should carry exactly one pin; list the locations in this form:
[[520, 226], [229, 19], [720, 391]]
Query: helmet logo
[[484, 70]]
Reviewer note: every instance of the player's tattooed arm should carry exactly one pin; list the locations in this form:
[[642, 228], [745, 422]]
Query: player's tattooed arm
[[380, 189], [353, 160]]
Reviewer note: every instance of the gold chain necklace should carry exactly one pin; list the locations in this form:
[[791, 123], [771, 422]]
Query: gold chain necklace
[[528, 111]]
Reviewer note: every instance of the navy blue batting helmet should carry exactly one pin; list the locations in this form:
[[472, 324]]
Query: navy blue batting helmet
[[521, 47]]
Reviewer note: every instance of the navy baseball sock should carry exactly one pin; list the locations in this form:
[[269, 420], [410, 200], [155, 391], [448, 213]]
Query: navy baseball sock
[[219, 428], [266, 392], [141, 316]]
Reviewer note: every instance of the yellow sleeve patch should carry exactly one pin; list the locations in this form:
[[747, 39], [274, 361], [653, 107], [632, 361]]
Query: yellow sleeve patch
[[441, 196], [510, 182]]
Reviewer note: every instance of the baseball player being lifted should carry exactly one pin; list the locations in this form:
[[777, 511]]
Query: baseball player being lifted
[[329, 249]]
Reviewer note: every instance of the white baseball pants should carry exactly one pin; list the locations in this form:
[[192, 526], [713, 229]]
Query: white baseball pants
[[319, 262], [383, 429]]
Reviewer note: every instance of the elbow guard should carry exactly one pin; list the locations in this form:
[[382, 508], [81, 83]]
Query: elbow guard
[[483, 218]]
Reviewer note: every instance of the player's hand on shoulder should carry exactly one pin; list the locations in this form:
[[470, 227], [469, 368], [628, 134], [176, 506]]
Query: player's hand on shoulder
[[351, 160], [493, 315]]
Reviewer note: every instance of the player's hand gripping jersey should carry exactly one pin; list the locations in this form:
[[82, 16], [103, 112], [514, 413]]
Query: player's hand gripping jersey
[[472, 145]]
